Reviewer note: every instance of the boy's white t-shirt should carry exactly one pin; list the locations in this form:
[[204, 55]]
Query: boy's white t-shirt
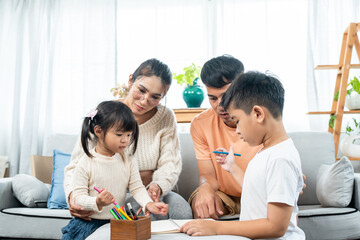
[[273, 175]]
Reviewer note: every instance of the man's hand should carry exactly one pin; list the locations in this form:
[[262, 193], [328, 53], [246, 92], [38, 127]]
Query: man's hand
[[225, 160], [199, 228], [154, 192], [207, 204], [78, 211]]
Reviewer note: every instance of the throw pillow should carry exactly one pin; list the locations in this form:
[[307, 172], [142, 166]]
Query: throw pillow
[[30, 191], [334, 185], [57, 195]]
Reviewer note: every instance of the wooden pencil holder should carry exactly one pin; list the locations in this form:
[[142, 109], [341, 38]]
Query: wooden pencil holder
[[131, 230]]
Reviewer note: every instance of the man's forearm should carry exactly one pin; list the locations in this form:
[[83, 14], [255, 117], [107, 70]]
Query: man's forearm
[[210, 181]]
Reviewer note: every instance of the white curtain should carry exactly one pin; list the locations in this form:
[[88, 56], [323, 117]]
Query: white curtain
[[327, 21], [27, 30], [59, 59]]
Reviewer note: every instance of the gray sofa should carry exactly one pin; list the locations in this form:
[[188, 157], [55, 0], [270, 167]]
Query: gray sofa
[[318, 222]]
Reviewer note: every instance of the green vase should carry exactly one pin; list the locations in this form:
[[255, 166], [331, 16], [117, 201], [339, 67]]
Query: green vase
[[193, 95]]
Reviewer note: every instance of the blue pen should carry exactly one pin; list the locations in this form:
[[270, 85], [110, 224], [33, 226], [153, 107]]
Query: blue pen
[[236, 154]]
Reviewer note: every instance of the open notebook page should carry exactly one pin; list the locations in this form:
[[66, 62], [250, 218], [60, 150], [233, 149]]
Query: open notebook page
[[168, 226]]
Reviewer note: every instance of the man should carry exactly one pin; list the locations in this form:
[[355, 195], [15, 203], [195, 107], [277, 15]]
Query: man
[[218, 193]]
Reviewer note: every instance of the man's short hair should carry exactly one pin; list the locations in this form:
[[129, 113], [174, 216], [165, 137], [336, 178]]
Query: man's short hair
[[255, 88], [220, 71]]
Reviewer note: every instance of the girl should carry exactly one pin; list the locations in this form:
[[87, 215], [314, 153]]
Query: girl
[[158, 154], [114, 127]]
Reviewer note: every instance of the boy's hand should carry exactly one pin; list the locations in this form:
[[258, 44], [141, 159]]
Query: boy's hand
[[104, 198], [156, 208], [225, 160], [154, 192], [199, 228]]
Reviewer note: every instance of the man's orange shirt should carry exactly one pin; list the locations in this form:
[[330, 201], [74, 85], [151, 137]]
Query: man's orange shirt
[[209, 132]]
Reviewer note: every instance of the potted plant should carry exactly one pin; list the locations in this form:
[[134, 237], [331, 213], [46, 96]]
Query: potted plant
[[352, 101], [352, 94], [193, 95], [350, 145]]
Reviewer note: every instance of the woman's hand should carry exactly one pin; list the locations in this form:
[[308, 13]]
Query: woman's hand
[[154, 192], [199, 228], [156, 208], [104, 198], [78, 211], [225, 160]]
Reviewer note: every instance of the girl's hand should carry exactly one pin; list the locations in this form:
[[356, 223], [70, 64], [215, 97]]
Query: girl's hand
[[154, 192], [156, 208], [225, 160], [199, 227], [104, 198]]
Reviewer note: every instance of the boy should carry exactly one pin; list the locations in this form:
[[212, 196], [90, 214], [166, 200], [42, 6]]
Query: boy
[[273, 179]]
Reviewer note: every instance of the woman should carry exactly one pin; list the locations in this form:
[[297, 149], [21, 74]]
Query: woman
[[158, 150]]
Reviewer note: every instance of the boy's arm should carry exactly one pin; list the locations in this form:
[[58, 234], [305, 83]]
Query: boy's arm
[[274, 226], [238, 174], [227, 162]]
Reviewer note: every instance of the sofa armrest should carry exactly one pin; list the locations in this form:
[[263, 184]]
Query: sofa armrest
[[355, 202], [7, 199]]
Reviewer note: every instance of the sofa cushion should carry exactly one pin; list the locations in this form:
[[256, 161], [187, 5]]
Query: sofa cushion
[[323, 223], [315, 149], [39, 212], [57, 195], [30, 191], [334, 186], [25, 224]]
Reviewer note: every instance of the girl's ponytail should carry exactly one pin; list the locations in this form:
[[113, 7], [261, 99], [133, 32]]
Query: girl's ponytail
[[87, 128]]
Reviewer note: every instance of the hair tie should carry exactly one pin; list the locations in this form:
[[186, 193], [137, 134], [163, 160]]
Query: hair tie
[[92, 114]]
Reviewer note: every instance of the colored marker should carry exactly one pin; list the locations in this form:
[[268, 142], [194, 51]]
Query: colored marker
[[131, 211], [124, 214], [116, 206], [99, 191], [236, 154], [114, 215], [117, 209]]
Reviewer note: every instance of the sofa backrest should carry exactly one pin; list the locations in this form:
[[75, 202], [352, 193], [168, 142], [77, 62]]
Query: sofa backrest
[[189, 177], [315, 148]]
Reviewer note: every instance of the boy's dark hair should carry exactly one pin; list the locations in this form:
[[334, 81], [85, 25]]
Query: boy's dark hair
[[154, 67], [110, 114], [220, 71], [255, 88]]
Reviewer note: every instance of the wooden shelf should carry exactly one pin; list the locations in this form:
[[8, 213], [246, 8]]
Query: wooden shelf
[[185, 115], [333, 112], [350, 158], [350, 40], [326, 67]]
